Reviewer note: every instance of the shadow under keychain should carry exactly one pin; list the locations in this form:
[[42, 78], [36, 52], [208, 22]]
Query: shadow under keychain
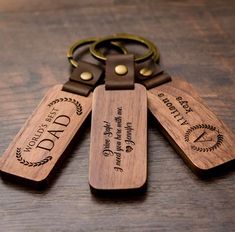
[[40, 143], [202, 140]]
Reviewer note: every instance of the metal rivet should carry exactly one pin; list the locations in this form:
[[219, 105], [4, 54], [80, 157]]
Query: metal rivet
[[146, 72], [86, 76], [121, 69]]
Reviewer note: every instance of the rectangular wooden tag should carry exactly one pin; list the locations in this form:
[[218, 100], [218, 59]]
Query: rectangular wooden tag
[[118, 153], [203, 140], [40, 143]]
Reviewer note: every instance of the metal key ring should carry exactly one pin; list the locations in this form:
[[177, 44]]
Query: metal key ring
[[155, 55], [80, 43], [152, 51]]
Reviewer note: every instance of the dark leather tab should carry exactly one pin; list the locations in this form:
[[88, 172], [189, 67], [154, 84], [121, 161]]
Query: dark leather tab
[[95, 70], [154, 78], [149, 64], [82, 86], [115, 81], [78, 88], [150, 83]]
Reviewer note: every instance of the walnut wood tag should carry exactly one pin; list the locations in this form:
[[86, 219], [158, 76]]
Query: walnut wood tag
[[42, 140], [118, 153], [197, 134]]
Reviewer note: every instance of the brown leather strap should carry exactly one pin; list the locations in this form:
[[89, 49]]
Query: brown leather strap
[[83, 79], [156, 80], [149, 65], [119, 72], [78, 88], [151, 74]]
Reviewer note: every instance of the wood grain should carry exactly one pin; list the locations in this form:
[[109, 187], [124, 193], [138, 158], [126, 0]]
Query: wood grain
[[196, 41], [118, 154], [40, 143], [203, 140]]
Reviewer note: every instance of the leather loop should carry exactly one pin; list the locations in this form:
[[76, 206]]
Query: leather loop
[[155, 81], [78, 88], [155, 75], [151, 66], [79, 85], [115, 80], [95, 70]]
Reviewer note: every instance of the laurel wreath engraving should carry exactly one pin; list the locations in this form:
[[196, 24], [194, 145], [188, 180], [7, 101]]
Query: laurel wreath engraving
[[219, 141], [30, 164], [65, 99], [206, 126]]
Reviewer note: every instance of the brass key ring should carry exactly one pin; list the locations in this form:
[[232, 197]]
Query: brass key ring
[[155, 55], [152, 50], [80, 43]]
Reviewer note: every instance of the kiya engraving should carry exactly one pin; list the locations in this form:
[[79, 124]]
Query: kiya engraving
[[174, 111], [114, 141], [184, 104]]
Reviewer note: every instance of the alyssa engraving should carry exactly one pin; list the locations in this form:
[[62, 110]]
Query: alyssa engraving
[[173, 110]]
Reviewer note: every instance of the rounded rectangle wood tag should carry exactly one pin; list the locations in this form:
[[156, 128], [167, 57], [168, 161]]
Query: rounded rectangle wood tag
[[40, 143], [118, 153], [197, 134]]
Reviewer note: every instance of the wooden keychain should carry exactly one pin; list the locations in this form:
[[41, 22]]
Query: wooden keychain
[[196, 133], [41, 142], [202, 140], [118, 152]]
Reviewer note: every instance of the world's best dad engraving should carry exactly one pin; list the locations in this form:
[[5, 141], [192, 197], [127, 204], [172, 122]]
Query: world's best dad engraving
[[41, 142]]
